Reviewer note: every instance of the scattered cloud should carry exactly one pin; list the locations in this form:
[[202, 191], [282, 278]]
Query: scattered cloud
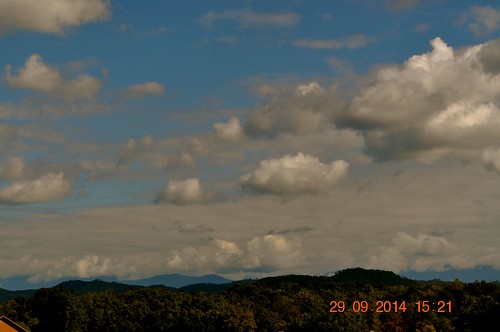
[[148, 88], [230, 131], [300, 111], [294, 175], [435, 101], [355, 41], [52, 17], [49, 187], [249, 18], [183, 192], [37, 75], [484, 20], [491, 158]]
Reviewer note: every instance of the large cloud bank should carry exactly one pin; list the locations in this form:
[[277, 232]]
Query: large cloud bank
[[440, 100]]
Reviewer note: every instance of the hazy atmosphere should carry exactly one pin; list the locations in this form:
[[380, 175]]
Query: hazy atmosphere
[[248, 138]]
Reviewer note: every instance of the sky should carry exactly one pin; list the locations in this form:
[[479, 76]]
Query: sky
[[248, 138]]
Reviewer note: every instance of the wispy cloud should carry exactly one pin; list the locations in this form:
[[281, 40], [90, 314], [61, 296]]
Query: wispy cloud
[[483, 20], [249, 18], [355, 41], [143, 89]]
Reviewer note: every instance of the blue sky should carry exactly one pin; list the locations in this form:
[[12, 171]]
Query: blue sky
[[248, 137]]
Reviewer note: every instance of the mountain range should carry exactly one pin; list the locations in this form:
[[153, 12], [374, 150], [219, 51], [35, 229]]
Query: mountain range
[[170, 280]]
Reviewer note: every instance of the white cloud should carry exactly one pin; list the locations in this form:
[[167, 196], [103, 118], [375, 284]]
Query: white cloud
[[50, 16], [312, 88], [355, 41], [148, 88], [37, 75], [485, 19], [272, 252], [294, 175], [13, 168], [248, 18], [230, 131], [48, 187], [184, 192], [491, 158], [437, 100]]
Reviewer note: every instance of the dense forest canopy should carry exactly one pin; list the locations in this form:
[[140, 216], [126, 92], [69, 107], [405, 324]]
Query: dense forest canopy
[[351, 300]]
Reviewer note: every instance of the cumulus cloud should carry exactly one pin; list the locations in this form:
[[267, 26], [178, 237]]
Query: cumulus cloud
[[37, 75], [52, 16], [230, 131], [300, 111], [294, 175], [483, 20], [420, 253], [144, 89], [49, 187], [183, 192], [249, 18], [271, 252], [355, 41], [437, 100]]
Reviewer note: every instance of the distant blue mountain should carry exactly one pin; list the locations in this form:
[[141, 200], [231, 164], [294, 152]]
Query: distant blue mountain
[[171, 280], [479, 273], [178, 280]]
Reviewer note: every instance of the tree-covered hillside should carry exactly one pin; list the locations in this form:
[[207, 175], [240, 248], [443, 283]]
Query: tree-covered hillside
[[351, 300]]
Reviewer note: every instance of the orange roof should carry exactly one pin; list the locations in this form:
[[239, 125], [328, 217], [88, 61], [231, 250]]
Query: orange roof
[[7, 325]]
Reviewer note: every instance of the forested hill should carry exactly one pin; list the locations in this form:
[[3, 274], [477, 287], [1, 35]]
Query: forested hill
[[350, 300]]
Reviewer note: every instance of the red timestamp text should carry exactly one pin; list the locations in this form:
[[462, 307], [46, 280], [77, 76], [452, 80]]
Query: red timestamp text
[[389, 306]]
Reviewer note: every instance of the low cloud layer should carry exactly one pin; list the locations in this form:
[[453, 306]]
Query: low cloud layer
[[420, 253], [52, 17], [294, 175]]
